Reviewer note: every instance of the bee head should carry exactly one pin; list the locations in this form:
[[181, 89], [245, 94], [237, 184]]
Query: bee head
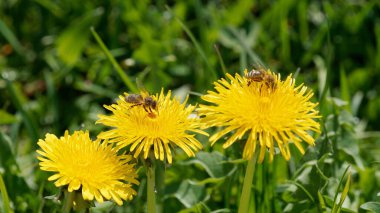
[[151, 102]]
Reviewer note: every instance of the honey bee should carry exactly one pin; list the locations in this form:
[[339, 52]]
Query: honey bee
[[261, 75], [148, 103]]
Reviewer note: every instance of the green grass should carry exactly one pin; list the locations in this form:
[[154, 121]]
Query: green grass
[[58, 73]]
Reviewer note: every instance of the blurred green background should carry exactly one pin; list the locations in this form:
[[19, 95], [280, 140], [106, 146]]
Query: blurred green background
[[55, 76]]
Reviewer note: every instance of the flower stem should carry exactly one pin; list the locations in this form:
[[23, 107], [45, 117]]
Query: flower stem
[[150, 173], [68, 201], [247, 185]]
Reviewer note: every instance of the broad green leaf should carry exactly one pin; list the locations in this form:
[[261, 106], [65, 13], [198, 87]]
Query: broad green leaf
[[71, 42], [190, 194], [371, 206], [299, 207], [200, 207], [329, 201], [349, 146], [213, 163], [6, 118], [16, 183], [102, 207], [337, 102], [347, 210], [367, 180], [300, 186]]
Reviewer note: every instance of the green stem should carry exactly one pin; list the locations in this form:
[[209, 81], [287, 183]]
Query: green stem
[[150, 173], [68, 201], [247, 185]]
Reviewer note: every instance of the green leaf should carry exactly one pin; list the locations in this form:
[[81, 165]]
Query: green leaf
[[222, 211], [371, 206], [190, 194], [15, 182], [72, 41], [347, 210], [6, 118], [339, 103], [300, 186], [102, 207], [213, 163], [367, 180]]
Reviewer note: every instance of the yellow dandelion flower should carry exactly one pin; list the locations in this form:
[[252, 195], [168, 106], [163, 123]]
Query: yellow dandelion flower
[[155, 127], [266, 109], [90, 166]]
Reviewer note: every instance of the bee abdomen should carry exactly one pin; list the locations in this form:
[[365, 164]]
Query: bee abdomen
[[134, 98]]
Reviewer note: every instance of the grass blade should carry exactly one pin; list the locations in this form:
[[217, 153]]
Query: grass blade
[[53, 100], [345, 191], [321, 202], [11, 38], [4, 195], [323, 95], [110, 57], [242, 41], [336, 207], [345, 88], [30, 123], [220, 59], [198, 47]]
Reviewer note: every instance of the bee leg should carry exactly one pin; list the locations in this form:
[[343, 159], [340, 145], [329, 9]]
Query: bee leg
[[134, 105], [268, 86], [145, 109], [272, 86], [151, 111], [261, 88]]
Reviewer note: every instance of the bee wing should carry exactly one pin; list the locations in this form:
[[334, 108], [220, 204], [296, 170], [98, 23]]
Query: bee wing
[[139, 84], [259, 64], [141, 87]]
